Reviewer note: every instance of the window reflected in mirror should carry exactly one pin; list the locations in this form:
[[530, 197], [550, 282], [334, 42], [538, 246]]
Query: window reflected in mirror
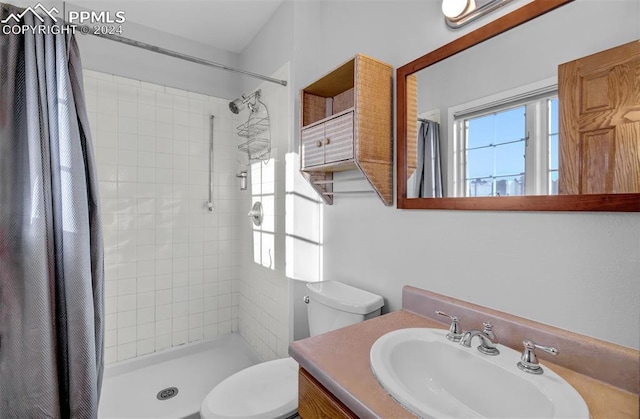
[[505, 144], [494, 148], [509, 150]]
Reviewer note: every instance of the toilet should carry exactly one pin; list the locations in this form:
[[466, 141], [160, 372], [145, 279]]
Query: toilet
[[269, 390]]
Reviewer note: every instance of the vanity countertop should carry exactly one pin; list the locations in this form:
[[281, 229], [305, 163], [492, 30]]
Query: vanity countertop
[[339, 360]]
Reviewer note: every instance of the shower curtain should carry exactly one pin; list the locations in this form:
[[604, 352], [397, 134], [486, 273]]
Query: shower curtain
[[51, 255], [428, 182]]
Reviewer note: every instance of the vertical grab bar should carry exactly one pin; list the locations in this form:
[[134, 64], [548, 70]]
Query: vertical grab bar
[[210, 203]]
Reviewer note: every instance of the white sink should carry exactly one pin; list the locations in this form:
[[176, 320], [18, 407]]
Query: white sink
[[436, 378]]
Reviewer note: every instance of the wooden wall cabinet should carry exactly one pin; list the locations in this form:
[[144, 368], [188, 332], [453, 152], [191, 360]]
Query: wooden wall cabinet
[[346, 124], [315, 401]]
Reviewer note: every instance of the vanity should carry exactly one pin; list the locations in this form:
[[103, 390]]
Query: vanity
[[336, 379]]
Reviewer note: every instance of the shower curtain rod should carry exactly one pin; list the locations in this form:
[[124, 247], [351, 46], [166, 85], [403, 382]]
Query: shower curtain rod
[[170, 53]]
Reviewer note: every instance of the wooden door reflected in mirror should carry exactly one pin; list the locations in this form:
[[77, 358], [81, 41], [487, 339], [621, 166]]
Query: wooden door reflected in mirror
[[600, 130]]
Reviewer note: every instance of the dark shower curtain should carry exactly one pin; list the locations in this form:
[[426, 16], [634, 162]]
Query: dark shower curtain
[[51, 255], [429, 169]]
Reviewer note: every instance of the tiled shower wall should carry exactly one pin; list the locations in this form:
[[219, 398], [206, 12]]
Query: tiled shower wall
[[264, 287], [171, 265]]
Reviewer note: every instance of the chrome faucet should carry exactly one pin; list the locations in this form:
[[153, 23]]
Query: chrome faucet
[[487, 338]]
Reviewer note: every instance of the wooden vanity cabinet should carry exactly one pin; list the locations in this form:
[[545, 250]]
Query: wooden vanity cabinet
[[315, 401], [346, 124]]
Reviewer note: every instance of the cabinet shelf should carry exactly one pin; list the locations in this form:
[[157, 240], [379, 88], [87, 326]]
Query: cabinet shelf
[[346, 124]]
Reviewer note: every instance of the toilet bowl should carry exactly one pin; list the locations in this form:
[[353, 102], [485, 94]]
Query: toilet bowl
[[269, 390], [258, 392]]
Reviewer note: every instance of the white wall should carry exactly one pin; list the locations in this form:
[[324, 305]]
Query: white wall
[[170, 264], [263, 286], [577, 271]]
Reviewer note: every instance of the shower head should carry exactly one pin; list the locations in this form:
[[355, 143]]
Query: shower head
[[239, 104], [236, 106]]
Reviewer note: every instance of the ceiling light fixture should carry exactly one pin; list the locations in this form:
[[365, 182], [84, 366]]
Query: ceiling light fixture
[[458, 13]]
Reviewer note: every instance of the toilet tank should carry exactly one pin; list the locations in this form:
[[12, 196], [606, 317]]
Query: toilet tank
[[332, 305]]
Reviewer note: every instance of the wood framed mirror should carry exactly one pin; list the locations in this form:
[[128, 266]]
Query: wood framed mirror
[[622, 202]]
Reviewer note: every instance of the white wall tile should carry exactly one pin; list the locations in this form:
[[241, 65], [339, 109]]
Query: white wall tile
[[126, 318], [147, 97], [145, 346], [163, 100], [126, 107], [180, 309], [145, 331], [163, 282], [162, 297], [180, 338], [210, 331], [196, 334], [163, 342], [163, 327], [146, 315], [126, 351], [180, 323], [126, 335], [106, 105], [126, 302], [152, 154], [181, 103], [126, 158], [164, 312], [110, 338], [145, 299]]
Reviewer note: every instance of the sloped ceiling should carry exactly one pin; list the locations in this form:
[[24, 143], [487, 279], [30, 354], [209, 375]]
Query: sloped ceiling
[[228, 25]]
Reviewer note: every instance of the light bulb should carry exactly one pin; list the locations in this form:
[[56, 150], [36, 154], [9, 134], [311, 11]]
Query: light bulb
[[454, 8]]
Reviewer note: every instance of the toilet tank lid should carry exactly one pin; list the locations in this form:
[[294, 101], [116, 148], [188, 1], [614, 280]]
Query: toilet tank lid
[[344, 297]]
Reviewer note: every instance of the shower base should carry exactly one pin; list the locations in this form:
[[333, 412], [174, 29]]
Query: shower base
[[172, 383]]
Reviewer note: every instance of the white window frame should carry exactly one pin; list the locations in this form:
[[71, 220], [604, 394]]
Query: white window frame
[[537, 132]]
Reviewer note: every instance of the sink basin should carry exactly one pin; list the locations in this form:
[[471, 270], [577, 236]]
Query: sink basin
[[436, 378]]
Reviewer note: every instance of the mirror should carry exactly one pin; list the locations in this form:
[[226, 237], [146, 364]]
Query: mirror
[[525, 63]]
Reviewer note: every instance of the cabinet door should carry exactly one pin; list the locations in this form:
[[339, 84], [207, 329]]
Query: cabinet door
[[312, 139], [315, 401], [338, 141]]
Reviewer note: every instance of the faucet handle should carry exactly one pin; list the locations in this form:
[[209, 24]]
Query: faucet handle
[[488, 329], [455, 332], [529, 361]]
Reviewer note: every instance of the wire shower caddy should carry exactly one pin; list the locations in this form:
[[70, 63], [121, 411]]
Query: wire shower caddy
[[256, 131]]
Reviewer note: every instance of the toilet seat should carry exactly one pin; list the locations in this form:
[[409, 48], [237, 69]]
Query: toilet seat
[[265, 390]]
